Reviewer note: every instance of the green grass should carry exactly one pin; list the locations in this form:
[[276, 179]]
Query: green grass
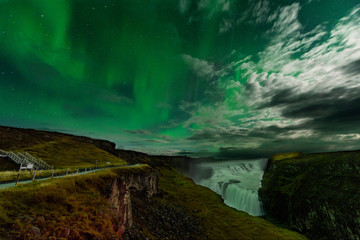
[[282, 156], [69, 153], [8, 176]]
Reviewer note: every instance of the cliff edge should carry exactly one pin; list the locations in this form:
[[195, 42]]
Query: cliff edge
[[315, 194]]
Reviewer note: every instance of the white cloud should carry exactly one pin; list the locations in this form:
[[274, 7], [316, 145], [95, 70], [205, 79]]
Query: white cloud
[[201, 68], [213, 7], [225, 25], [295, 134], [258, 12], [305, 62], [316, 68], [343, 137]]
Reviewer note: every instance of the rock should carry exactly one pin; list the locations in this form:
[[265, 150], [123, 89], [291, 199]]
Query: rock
[[35, 230], [145, 182]]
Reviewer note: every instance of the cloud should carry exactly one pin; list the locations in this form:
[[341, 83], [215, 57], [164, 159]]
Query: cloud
[[201, 68], [352, 68], [257, 12], [301, 94], [226, 25], [213, 7], [115, 98], [137, 132], [184, 5]]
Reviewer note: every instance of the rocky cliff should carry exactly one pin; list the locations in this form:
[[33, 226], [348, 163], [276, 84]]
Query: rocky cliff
[[315, 194], [120, 200]]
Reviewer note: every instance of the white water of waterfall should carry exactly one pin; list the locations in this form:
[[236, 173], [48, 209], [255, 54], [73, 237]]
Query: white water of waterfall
[[237, 182]]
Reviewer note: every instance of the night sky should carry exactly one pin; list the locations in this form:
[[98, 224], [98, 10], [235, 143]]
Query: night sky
[[227, 78]]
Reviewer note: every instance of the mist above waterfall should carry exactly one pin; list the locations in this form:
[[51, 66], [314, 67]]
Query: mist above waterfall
[[237, 182]]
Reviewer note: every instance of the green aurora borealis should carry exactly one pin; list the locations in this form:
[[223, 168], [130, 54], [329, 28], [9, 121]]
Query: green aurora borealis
[[227, 78]]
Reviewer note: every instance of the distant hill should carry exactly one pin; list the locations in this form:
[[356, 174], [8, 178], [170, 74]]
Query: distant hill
[[57, 149]]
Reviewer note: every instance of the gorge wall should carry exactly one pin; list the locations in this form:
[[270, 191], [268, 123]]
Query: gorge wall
[[120, 197], [316, 194]]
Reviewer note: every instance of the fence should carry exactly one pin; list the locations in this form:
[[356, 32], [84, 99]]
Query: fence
[[54, 174]]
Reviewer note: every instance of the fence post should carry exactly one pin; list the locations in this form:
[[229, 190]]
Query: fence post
[[33, 179], [17, 179]]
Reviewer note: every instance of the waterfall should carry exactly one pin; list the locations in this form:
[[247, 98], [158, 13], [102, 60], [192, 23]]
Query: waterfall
[[237, 182]]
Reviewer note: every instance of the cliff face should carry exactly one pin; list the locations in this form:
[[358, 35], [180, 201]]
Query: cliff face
[[120, 200], [316, 194]]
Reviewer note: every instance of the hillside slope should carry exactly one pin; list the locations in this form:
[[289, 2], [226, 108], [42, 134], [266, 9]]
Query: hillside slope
[[57, 149], [316, 194]]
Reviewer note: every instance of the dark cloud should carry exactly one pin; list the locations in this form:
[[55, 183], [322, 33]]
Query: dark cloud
[[137, 132], [335, 110], [324, 116], [291, 97], [216, 134], [352, 68], [124, 89], [270, 148], [186, 152], [138, 143]]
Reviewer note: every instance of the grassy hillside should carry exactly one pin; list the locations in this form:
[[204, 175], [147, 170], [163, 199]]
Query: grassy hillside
[[316, 194], [57, 149], [75, 207], [6, 165]]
